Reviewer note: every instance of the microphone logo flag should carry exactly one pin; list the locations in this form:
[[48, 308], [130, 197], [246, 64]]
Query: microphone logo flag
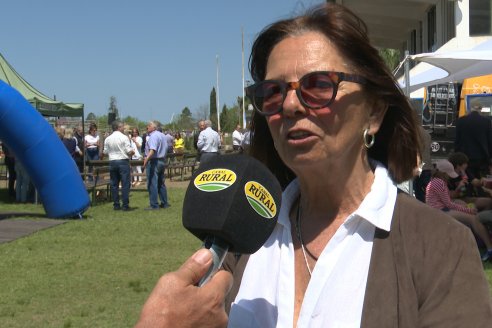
[[215, 180], [260, 199]]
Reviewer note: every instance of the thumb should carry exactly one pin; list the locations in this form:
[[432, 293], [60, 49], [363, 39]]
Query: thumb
[[196, 266]]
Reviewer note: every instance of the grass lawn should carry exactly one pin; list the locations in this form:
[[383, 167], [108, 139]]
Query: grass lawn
[[95, 272]]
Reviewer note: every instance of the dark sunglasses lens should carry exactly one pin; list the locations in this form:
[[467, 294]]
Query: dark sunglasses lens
[[317, 90], [268, 97]]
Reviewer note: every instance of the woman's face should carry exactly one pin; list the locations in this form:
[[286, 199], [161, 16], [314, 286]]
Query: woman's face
[[303, 136]]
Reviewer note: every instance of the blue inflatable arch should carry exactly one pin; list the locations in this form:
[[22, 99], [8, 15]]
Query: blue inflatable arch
[[36, 145]]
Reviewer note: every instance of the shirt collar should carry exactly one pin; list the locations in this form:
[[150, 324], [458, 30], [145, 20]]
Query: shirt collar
[[377, 207]]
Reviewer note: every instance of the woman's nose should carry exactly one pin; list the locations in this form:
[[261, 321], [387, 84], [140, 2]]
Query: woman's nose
[[292, 105]]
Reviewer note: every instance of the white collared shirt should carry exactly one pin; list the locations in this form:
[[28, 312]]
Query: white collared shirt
[[117, 146], [208, 141], [335, 294]]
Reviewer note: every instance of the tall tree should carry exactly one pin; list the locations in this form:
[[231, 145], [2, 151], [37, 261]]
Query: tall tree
[[113, 108], [213, 107], [185, 121]]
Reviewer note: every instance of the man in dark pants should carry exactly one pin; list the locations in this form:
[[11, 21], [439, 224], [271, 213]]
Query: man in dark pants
[[155, 167], [79, 157], [10, 163], [474, 139], [119, 150]]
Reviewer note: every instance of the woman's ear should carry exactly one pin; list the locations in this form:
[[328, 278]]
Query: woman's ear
[[378, 110]]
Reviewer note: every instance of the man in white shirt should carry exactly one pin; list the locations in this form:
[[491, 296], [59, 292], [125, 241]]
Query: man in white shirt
[[208, 142], [237, 139], [119, 150]]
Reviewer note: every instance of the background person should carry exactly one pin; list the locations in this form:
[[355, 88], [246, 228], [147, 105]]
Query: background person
[[465, 186], [348, 249], [196, 134], [237, 138], [437, 196], [422, 179], [136, 141], [208, 142], [179, 143], [474, 139], [10, 163], [155, 166], [119, 150], [92, 147], [79, 156]]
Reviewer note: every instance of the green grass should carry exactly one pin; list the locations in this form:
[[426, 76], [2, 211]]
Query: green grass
[[95, 272]]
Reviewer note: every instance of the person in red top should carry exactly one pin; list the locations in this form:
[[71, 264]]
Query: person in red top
[[437, 196]]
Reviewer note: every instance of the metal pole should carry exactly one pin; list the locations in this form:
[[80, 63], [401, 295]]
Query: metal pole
[[242, 57], [218, 101]]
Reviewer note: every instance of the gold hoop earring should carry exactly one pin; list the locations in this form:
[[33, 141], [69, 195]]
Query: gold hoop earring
[[367, 143]]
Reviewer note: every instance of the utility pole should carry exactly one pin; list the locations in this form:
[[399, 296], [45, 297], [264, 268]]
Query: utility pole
[[218, 101]]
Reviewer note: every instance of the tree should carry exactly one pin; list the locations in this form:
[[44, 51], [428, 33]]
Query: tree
[[113, 108], [229, 118], [185, 121], [91, 117], [213, 107], [391, 57], [202, 113]]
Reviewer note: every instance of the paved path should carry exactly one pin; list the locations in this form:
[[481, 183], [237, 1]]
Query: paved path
[[11, 229]]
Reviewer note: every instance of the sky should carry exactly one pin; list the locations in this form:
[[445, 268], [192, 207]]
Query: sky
[[155, 56]]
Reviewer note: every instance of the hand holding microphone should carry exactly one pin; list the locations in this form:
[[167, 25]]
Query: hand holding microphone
[[176, 301], [232, 204]]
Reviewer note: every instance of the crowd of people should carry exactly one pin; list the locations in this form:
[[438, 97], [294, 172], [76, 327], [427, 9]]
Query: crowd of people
[[152, 147]]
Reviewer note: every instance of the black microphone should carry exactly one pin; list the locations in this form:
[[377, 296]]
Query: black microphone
[[232, 204]]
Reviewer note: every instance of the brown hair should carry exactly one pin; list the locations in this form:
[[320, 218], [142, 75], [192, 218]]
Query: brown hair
[[397, 141], [457, 159]]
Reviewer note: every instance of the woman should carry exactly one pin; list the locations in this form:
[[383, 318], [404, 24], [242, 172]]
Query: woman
[[437, 196], [136, 142], [92, 145], [332, 125], [178, 143]]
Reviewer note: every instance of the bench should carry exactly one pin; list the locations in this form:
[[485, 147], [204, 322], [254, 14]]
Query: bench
[[100, 182], [180, 165]]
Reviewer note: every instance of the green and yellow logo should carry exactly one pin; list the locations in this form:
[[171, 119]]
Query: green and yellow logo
[[260, 199], [215, 180]]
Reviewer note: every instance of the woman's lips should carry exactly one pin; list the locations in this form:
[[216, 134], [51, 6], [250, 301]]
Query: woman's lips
[[298, 135]]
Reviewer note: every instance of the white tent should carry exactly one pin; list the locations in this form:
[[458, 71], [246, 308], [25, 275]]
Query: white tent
[[452, 66]]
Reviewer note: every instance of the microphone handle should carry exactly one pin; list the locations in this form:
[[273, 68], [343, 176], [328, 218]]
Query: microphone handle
[[219, 250]]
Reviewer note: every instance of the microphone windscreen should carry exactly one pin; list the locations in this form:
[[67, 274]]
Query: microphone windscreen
[[233, 197]]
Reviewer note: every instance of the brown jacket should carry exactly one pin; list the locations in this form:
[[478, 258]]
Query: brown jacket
[[425, 272]]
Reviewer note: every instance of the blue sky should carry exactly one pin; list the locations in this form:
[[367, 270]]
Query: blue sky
[[155, 56]]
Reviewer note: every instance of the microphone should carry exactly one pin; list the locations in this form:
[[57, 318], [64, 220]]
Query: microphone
[[232, 204]]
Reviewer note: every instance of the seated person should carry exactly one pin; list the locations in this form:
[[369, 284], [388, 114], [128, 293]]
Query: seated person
[[465, 186], [437, 196]]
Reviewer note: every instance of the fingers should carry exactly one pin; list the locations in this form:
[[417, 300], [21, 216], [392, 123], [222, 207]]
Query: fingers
[[195, 267], [221, 282]]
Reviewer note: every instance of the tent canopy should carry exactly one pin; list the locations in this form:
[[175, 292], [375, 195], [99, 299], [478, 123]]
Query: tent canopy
[[452, 66], [44, 104]]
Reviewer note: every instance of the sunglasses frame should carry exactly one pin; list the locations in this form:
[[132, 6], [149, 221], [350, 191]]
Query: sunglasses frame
[[335, 77]]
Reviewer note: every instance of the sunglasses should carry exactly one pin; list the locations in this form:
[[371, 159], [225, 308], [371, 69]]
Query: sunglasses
[[315, 90]]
